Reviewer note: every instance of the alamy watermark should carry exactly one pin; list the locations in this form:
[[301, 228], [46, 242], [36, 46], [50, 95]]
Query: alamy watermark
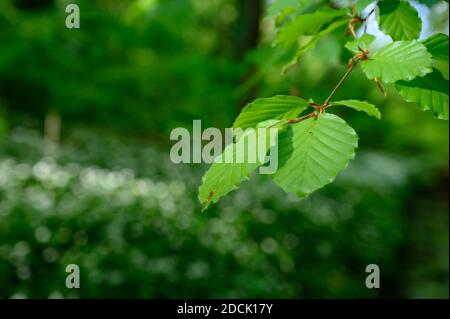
[[73, 17], [73, 278], [254, 145], [373, 279]]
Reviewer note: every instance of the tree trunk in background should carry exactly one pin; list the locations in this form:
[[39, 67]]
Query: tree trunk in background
[[250, 14], [248, 34], [52, 129]]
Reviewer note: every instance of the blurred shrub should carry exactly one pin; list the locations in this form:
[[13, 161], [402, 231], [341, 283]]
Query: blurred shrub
[[130, 219]]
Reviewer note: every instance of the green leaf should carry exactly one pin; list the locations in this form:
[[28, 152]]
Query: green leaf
[[401, 60], [430, 3], [437, 45], [278, 107], [307, 24], [360, 5], [313, 152], [429, 92], [363, 106], [441, 67], [312, 43], [224, 176], [399, 19], [280, 5], [363, 42]]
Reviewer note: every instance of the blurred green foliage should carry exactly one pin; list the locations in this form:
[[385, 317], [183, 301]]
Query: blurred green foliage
[[133, 224], [110, 200], [130, 59]]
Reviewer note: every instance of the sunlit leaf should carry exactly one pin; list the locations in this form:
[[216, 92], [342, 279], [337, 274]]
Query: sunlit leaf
[[401, 60], [363, 106], [277, 107], [313, 152], [228, 172]]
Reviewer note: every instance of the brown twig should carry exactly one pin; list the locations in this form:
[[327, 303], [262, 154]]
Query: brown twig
[[321, 108], [337, 87], [363, 55], [302, 118]]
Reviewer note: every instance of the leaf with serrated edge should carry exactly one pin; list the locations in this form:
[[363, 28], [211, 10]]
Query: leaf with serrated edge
[[429, 92], [437, 45], [278, 107], [400, 20], [360, 106], [312, 152], [222, 178], [401, 60], [441, 67]]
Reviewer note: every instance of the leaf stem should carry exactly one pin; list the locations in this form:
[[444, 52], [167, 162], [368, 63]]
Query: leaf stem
[[338, 86], [321, 108], [299, 119]]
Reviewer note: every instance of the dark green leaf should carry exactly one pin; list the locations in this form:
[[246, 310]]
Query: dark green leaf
[[399, 19], [429, 92]]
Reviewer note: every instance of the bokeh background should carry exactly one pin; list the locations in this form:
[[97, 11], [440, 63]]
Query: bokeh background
[[85, 174]]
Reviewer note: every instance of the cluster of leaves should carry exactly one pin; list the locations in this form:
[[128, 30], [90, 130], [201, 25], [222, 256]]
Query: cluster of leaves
[[314, 147]]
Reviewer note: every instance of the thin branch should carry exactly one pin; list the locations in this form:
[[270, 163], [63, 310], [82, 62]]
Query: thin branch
[[337, 87], [302, 118], [321, 108]]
